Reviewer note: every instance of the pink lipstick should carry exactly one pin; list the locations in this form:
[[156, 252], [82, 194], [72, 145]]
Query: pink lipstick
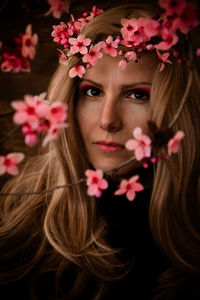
[[109, 146]]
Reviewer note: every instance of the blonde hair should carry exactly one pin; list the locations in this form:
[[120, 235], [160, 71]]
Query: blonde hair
[[64, 228]]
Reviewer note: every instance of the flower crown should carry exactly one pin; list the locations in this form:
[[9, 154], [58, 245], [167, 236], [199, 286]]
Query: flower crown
[[137, 35]]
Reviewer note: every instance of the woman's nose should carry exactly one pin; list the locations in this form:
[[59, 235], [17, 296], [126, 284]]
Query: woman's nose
[[110, 117]]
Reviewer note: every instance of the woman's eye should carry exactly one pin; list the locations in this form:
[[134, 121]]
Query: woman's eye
[[92, 91], [139, 95]]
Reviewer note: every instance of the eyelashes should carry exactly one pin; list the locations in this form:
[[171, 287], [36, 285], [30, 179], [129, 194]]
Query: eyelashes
[[90, 91], [138, 94]]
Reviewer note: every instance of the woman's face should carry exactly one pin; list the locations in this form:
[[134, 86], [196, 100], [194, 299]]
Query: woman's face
[[112, 102]]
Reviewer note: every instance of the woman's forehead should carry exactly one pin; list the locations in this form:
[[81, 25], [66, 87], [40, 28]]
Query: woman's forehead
[[107, 70]]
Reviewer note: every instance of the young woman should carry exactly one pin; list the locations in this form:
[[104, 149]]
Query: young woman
[[68, 245]]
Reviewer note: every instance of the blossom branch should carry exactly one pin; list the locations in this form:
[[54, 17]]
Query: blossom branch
[[127, 162], [69, 184], [9, 134], [44, 191], [6, 114]]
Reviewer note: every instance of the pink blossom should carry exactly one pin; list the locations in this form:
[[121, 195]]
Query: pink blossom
[[131, 55], [169, 37], [110, 46], [139, 37], [63, 59], [14, 63], [129, 27], [198, 52], [187, 19], [57, 7], [164, 59], [53, 132], [57, 113], [30, 135], [29, 42], [9, 163], [129, 187], [38, 115], [26, 111], [150, 27], [61, 34], [123, 64], [79, 44], [172, 6], [93, 55], [77, 71], [150, 47], [95, 182], [133, 31], [10, 63], [77, 25], [141, 144], [173, 144], [167, 44], [96, 11], [80, 23], [128, 43]]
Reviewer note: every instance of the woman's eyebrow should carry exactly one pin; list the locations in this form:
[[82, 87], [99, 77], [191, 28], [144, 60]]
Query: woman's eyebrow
[[124, 86], [134, 84], [91, 81]]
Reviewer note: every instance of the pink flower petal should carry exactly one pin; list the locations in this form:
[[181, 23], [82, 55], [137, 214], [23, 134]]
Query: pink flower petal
[[12, 170], [2, 169], [16, 157], [131, 195], [123, 64], [131, 144]]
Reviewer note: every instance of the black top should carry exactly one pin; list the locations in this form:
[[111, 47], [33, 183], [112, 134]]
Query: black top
[[128, 229]]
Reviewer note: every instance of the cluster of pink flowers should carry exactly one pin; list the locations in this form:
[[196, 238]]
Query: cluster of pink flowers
[[96, 184], [38, 116], [142, 147], [57, 7], [63, 32], [73, 43], [136, 34], [9, 163], [17, 59], [142, 144]]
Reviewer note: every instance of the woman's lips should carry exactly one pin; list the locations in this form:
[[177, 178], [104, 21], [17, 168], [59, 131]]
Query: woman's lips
[[109, 146]]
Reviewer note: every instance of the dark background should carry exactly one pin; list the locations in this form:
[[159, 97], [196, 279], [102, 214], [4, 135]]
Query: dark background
[[15, 15]]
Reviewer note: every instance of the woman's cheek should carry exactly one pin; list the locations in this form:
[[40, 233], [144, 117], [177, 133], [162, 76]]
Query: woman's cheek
[[88, 110]]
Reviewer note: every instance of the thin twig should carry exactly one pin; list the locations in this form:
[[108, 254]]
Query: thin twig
[[6, 114], [69, 184], [120, 166], [44, 191], [9, 134]]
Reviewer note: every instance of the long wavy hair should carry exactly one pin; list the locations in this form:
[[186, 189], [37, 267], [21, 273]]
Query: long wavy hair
[[63, 230]]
